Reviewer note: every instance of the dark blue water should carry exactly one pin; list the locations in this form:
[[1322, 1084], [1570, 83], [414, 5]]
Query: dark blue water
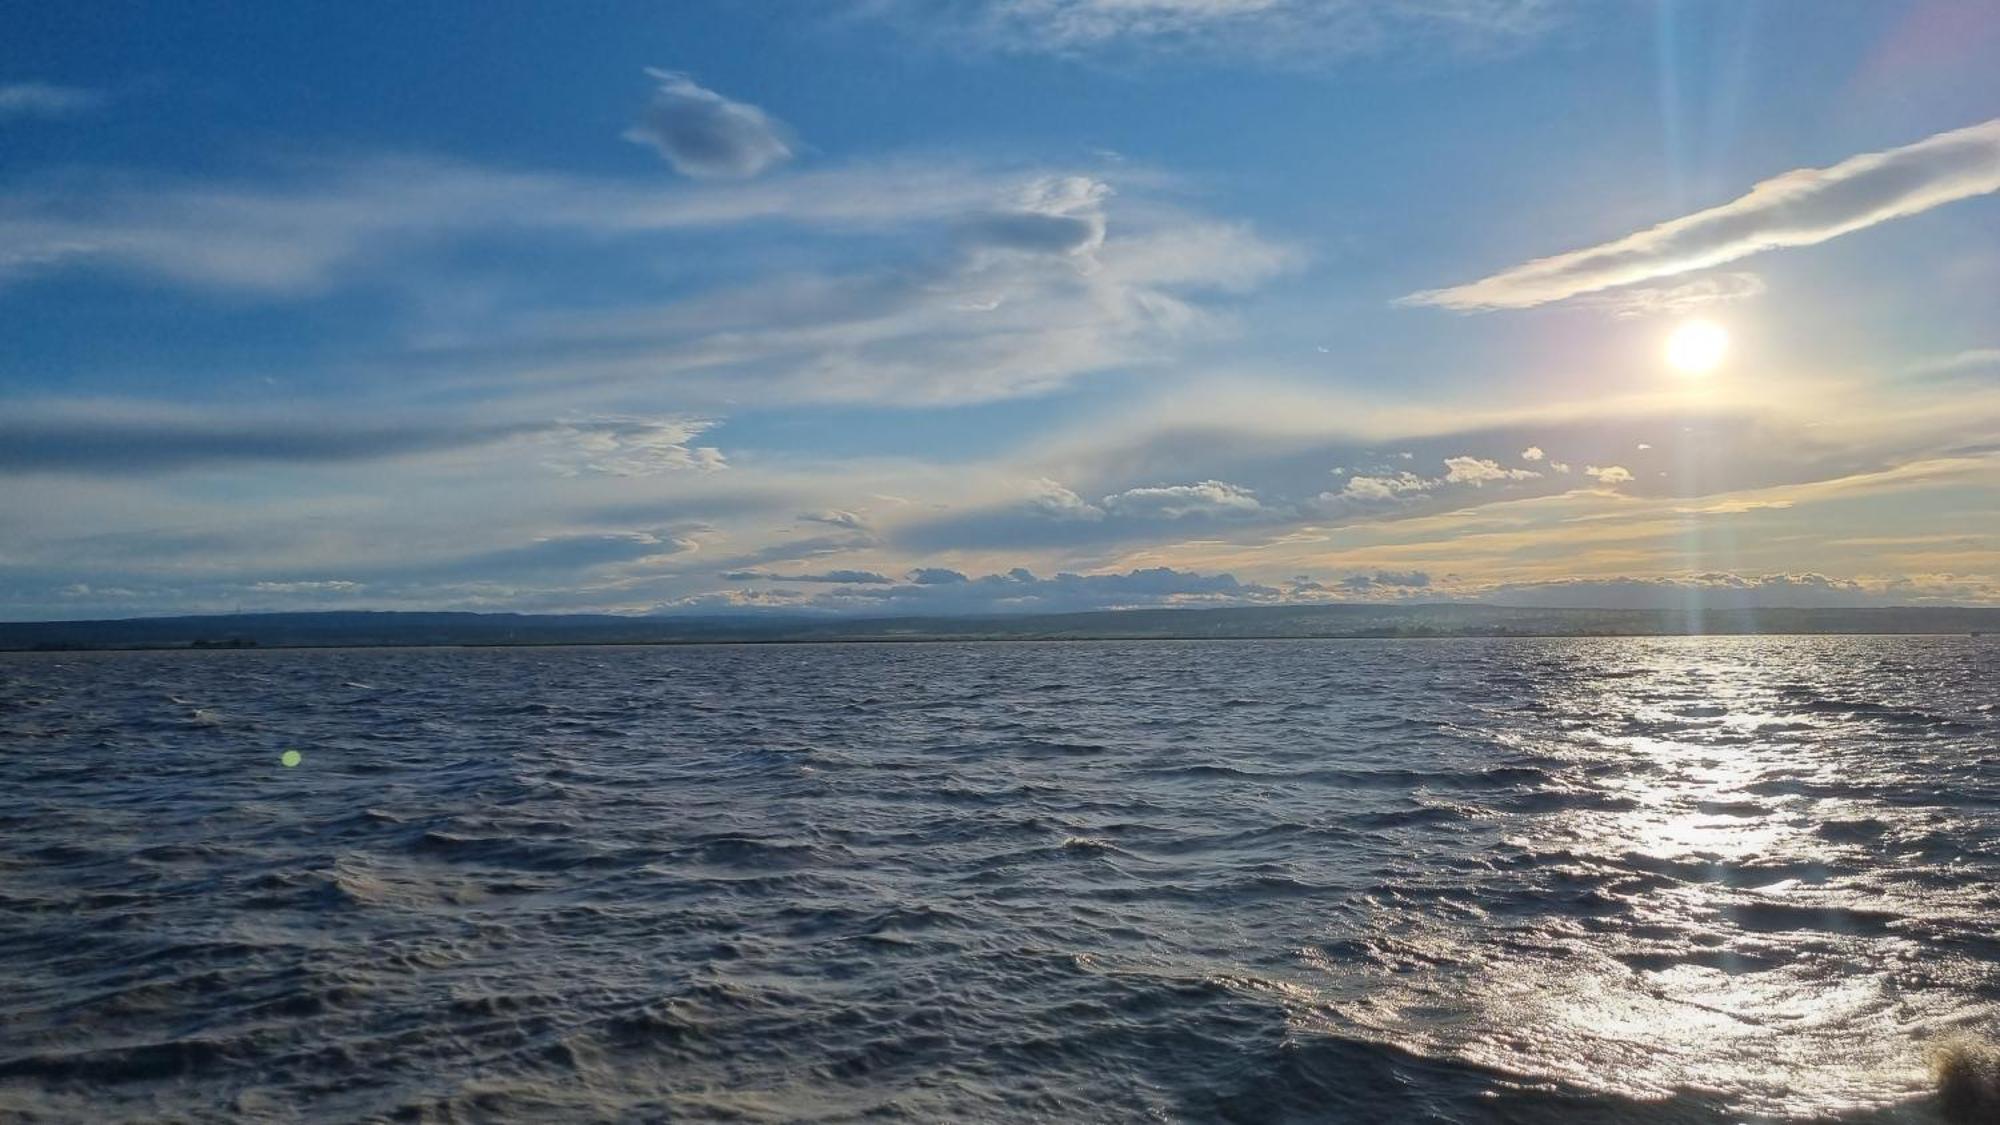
[[1350, 881]]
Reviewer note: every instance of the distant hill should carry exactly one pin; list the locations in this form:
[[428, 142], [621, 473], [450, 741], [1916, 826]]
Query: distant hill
[[284, 630]]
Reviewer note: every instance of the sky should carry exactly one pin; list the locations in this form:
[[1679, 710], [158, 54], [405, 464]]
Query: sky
[[966, 306]]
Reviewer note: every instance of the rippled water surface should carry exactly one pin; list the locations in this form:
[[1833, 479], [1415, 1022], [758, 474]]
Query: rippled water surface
[[1559, 880]]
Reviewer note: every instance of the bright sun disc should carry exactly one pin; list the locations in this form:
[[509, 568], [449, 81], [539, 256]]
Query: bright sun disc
[[1697, 347]]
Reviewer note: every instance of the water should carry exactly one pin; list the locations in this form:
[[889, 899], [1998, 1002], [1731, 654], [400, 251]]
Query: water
[[1469, 881]]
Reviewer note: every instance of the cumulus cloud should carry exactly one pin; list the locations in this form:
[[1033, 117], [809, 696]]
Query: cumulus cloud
[[1532, 453], [1367, 488], [632, 447], [1799, 208], [1051, 499], [1179, 501], [1477, 471], [1608, 474], [707, 136], [41, 99], [1386, 580]]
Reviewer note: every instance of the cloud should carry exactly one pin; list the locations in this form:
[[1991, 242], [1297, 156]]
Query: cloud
[[123, 438], [631, 446], [836, 577], [1280, 31], [936, 576], [1172, 502], [1477, 471], [1386, 580], [1722, 590], [1974, 362], [127, 441], [836, 518], [568, 558], [1609, 474], [1633, 301], [1367, 488], [41, 99], [707, 136], [1021, 591], [1363, 489], [976, 284], [1056, 502], [305, 224], [322, 586], [1054, 215], [1799, 208], [1532, 453]]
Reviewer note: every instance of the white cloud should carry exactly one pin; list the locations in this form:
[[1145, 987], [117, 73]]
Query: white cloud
[[1633, 301], [707, 136], [1367, 488], [1053, 500], [631, 447], [1559, 466], [41, 99], [1205, 498], [1609, 474], [1477, 471], [1532, 453], [326, 586], [1799, 208]]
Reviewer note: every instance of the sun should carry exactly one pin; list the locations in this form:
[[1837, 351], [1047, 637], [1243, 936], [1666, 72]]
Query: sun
[[1696, 347]]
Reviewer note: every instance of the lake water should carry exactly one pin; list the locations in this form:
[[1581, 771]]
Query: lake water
[[1618, 880]]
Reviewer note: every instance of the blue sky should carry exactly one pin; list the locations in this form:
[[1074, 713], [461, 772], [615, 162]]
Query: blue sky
[[886, 306]]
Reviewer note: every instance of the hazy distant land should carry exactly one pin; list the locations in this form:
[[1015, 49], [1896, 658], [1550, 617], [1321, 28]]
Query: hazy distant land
[[340, 629]]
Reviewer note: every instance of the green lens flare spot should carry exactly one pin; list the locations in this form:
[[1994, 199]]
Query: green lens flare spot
[[291, 758]]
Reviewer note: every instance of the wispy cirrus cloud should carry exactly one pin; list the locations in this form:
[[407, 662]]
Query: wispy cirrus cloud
[[295, 229], [984, 282], [46, 100], [1280, 31], [1799, 208], [123, 438], [707, 136]]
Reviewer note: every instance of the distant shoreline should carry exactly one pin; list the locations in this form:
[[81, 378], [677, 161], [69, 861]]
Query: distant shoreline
[[739, 642], [1339, 621]]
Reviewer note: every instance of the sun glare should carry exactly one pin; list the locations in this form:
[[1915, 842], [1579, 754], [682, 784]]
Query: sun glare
[[1696, 347]]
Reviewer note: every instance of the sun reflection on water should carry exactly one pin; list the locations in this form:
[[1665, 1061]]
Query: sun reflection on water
[[1686, 927]]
